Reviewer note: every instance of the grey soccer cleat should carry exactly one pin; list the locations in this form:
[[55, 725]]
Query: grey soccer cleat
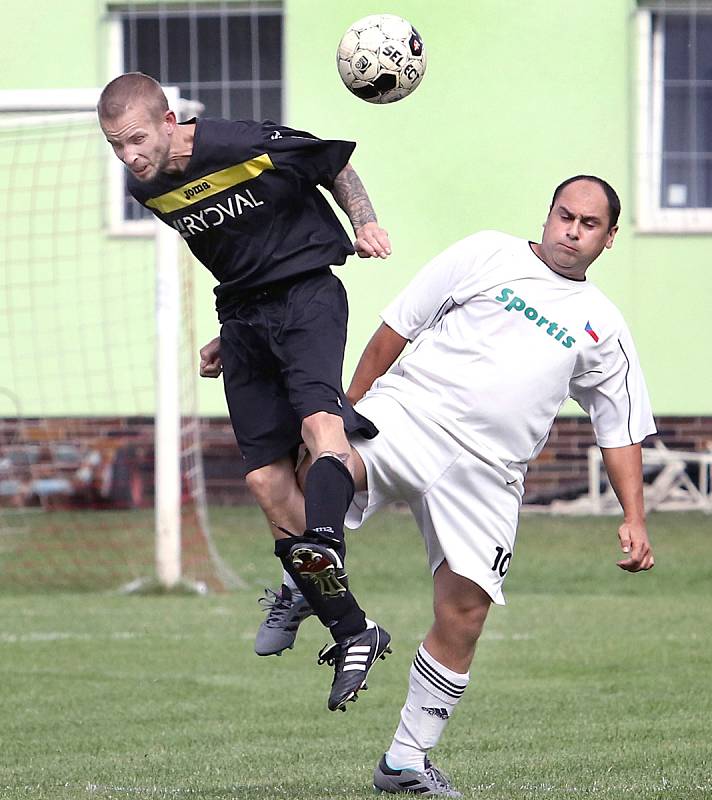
[[286, 610], [352, 660], [320, 565], [429, 783]]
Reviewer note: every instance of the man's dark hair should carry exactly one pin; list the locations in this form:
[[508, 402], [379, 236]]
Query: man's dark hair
[[128, 90], [614, 203]]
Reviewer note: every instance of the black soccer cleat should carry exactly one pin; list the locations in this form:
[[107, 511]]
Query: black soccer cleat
[[428, 783], [352, 660], [320, 565]]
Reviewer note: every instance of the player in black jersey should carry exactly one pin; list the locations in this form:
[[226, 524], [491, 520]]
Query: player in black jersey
[[244, 196]]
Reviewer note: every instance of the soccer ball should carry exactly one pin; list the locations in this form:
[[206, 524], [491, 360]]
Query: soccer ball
[[381, 58]]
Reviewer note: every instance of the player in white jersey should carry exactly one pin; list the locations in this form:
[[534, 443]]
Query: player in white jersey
[[503, 331]]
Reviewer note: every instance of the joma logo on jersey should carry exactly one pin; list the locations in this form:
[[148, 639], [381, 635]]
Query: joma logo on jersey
[[197, 188], [520, 306], [213, 216]]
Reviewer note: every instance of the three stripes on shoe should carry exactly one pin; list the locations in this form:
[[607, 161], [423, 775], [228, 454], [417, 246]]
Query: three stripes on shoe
[[356, 657]]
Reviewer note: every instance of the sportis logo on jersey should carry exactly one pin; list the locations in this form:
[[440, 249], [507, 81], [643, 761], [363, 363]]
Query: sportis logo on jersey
[[519, 305]]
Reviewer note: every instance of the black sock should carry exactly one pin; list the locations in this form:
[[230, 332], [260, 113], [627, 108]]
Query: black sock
[[341, 614], [328, 493]]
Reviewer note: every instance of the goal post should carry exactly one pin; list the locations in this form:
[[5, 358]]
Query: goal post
[[167, 450], [93, 395]]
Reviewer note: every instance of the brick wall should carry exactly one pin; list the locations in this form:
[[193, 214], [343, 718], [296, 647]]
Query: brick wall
[[560, 471]]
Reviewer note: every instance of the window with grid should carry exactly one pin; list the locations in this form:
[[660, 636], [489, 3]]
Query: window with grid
[[675, 117], [227, 57]]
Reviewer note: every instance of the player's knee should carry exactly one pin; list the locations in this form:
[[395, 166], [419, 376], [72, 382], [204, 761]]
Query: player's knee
[[464, 617], [257, 484], [320, 426], [266, 487]]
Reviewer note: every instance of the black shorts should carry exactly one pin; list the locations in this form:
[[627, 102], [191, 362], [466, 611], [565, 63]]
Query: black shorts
[[282, 349]]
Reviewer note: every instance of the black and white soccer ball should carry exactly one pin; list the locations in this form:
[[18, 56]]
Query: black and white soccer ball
[[381, 58]]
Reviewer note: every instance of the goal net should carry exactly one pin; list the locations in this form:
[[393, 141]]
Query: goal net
[[101, 481]]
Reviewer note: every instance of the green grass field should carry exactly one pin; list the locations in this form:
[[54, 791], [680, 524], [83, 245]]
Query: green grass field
[[591, 681]]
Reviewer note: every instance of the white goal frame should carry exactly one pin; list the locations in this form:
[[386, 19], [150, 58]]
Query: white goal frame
[[80, 103]]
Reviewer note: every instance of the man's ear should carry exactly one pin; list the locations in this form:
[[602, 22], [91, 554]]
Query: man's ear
[[169, 119]]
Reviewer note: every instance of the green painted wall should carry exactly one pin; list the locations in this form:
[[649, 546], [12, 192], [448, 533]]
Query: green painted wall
[[76, 308], [517, 96]]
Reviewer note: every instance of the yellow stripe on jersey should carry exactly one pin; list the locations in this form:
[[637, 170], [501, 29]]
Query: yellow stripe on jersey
[[211, 184]]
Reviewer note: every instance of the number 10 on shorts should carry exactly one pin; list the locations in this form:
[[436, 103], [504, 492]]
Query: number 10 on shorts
[[501, 561]]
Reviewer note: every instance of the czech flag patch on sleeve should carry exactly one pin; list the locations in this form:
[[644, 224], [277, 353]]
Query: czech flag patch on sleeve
[[590, 331]]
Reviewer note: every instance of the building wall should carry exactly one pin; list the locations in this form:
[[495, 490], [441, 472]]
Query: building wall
[[513, 101], [126, 448]]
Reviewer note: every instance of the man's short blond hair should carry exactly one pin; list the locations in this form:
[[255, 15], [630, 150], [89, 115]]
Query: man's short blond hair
[[132, 90]]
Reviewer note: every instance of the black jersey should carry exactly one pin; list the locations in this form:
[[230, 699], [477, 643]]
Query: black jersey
[[248, 205]]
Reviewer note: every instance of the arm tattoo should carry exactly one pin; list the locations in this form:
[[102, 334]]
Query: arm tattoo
[[351, 195]]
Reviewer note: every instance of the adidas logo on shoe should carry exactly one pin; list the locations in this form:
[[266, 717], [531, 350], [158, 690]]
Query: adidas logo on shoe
[[431, 782], [352, 660]]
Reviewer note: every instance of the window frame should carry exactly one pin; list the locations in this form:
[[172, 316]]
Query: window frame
[[651, 216], [117, 223]]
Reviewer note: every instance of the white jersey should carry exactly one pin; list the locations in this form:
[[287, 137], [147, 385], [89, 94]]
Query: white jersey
[[500, 341]]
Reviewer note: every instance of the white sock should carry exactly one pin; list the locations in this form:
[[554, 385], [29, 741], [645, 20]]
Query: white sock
[[288, 581], [433, 693]]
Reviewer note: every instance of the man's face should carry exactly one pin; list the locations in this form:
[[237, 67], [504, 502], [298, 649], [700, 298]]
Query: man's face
[[577, 229], [141, 141]]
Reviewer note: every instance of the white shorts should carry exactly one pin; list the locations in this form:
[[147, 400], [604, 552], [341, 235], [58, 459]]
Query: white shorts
[[465, 508]]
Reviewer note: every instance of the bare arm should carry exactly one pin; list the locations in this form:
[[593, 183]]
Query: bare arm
[[625, 470], [350, 194], [383, 349]]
